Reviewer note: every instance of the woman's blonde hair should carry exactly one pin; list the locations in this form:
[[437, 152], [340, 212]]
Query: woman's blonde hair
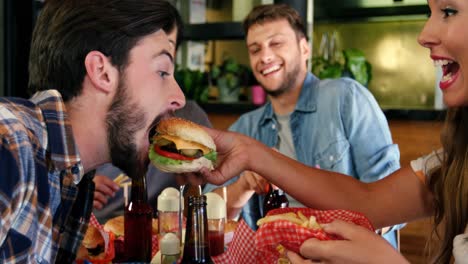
[[449, 184]]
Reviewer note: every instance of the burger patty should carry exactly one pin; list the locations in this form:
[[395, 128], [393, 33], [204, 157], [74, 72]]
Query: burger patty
[[96, 251], [172, 148]]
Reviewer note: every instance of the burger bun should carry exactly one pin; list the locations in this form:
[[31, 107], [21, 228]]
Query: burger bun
[[115, 225], [185, 135]]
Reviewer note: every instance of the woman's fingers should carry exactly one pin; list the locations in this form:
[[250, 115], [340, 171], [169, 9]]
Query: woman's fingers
[[297, 259]]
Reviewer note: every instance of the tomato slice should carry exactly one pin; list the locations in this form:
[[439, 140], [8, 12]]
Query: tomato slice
[[170, 155]]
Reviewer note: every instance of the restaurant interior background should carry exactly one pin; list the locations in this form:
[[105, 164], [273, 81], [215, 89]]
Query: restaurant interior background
[[403, 76]]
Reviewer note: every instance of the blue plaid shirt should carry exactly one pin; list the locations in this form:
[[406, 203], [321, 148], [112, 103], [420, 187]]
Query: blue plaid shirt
[[45, 197]]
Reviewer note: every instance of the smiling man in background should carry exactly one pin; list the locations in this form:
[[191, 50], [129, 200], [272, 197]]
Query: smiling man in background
[[332, 124]]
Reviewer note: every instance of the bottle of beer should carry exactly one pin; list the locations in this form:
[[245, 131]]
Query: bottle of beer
[[190, 190], [138, 217], [196, 248], [275, 198]]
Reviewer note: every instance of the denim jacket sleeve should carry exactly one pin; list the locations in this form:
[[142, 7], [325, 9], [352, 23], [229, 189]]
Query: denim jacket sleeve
[[375, 156]]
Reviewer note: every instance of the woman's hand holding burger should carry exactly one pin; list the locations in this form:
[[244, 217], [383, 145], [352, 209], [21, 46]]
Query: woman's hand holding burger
[[233, 155]]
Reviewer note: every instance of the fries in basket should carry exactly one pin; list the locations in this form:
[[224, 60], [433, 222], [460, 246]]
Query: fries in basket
[[282, 258], [297, 218], [289, 227]]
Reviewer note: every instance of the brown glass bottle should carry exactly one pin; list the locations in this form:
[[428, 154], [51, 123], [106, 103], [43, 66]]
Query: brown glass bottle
[[275, 198], [190, 190], [196, 248], [138, 219]]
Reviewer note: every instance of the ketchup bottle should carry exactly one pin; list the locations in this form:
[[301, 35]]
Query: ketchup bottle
[[138, 219], [275, 198]]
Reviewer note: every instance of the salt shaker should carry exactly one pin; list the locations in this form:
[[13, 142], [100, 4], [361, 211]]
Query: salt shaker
[[168, 212], [170, 248]]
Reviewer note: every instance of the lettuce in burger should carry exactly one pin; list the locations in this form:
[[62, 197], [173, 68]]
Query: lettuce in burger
[[181, 146]]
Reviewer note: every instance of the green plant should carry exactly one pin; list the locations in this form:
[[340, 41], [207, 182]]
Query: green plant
[[232, 74], [193, 83], [353, 64]]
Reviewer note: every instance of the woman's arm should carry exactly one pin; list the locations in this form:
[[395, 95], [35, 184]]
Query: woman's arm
[[398, 198]]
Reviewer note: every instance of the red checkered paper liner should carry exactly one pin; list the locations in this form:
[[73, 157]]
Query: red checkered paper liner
[[291, 235], [241, 250], [154, 245]]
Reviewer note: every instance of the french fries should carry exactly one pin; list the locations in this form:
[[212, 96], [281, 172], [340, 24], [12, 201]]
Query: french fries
[[282, 258], [123, 180], [299, 219]]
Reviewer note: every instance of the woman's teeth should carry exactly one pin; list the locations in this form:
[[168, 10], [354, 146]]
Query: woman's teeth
[[449, 68], [271, 69], [447, 77], [442, 62]]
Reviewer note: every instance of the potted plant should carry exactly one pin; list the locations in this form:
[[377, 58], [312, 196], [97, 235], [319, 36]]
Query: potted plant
[[193, 83], [229, 78], [354, 65]]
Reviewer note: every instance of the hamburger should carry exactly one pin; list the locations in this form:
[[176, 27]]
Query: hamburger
[[181, 146], [116, 226], [93, 245]]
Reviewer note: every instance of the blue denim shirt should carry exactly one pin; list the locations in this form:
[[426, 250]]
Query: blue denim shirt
[[337, 125]]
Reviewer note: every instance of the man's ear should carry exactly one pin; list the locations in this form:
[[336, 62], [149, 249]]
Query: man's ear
[[305, 48], [100, 71]]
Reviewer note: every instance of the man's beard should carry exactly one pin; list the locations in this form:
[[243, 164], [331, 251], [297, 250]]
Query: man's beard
[[124, 119], [287, 84]]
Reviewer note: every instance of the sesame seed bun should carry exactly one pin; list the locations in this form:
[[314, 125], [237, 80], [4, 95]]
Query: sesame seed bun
[[183, 137], [186, 130]]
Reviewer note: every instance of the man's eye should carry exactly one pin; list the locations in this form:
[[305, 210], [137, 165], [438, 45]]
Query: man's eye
[[449, 12], [163, 74], [254, 51]]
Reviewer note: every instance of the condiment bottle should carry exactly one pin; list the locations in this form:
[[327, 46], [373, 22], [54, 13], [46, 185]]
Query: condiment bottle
[[138, 217], [275, 198], [168, 212], [170, 248], [196, 248], [216, 213]]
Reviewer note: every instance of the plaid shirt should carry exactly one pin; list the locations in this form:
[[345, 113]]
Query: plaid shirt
[[41, 179]]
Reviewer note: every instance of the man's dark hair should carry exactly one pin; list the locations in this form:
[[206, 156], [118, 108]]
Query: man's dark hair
[[272, 12], [67, 30]]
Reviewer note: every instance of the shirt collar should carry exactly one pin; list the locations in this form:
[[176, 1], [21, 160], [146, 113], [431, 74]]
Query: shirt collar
[[61, 144], [307, 101]]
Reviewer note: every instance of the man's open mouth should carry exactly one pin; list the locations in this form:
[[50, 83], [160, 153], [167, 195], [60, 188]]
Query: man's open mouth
[[154, 124], [271, 69]]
